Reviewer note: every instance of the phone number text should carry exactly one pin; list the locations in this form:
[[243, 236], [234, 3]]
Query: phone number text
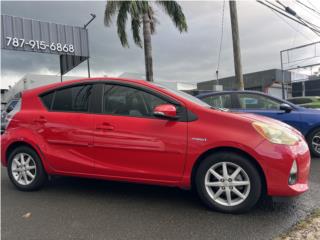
[[40, 45]]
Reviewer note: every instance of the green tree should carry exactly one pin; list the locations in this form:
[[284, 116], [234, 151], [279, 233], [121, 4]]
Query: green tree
[[142, 13]]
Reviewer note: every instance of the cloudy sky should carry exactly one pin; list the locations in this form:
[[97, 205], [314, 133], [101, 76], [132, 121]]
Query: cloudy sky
[[187, 57]]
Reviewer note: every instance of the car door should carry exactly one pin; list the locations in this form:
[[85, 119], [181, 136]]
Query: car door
[[131, 143], [67, 127], [267, 106]]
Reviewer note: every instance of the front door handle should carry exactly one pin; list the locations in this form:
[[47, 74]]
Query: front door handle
[[105, 127], [41, 120]]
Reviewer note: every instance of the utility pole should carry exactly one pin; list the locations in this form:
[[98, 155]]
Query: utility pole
[[236, 44], [93, 16]]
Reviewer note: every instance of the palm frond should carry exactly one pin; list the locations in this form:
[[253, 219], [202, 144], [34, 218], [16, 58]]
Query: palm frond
[[110, 11], [121, 22], [135, 27], [174, 10]]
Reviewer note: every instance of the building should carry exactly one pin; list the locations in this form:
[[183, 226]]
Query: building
[[30, 81], [309, 87], [182, 86], [268, 81]]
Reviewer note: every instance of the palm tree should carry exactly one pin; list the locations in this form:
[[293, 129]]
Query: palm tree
[[141, 12]]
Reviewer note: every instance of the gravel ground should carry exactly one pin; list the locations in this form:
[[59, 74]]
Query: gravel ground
[[308, 229]]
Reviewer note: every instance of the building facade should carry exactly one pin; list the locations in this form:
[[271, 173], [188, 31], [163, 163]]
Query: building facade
[[268, 81]]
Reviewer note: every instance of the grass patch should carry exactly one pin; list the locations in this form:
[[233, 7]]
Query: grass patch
[[309, 228]]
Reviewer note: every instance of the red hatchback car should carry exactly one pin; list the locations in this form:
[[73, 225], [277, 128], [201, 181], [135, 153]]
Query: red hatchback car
[[135, 131]]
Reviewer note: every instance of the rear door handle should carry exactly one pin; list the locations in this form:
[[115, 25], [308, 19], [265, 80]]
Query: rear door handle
[[41, 119], [105, 127]]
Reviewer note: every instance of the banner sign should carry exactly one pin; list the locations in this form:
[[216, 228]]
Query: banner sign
[[23, 34]]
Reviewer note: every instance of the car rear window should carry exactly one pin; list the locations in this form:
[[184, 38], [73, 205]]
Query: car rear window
[[70, 99], [47, 99]]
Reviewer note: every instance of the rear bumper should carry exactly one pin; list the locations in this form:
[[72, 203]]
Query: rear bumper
[[276, 161], [4, 147]]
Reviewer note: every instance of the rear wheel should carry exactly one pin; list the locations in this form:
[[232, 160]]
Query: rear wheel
[[228, 182], [25, 169], [314, 142]]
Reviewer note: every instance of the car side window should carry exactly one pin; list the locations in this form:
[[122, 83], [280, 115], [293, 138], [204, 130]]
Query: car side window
[[127, 101], [219, 101], [70, 99], [300, 100], [47, 99], [255, 101]]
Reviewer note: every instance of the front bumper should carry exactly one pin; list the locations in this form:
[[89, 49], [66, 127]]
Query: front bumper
[[276, 161]]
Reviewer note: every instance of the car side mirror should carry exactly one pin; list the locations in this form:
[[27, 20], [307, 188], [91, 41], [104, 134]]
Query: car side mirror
[[9, 109], [285, 107], [165, 111]]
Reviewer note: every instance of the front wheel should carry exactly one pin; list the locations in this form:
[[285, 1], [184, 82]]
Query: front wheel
[[314, 142], [228, 182], [25, 169]]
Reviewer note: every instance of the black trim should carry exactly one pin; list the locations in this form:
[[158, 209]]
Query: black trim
[[96, 105], [61, 88], [95, 101], [191, 116]]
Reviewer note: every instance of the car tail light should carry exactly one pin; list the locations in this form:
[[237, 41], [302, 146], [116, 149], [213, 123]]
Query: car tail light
[[293, 173], [11, 114]]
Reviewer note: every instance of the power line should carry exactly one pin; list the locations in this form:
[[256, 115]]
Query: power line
[[288, 16], [295, 29], [315, 31], [306, 6], [312, 5], [221, 38], [293, 13]]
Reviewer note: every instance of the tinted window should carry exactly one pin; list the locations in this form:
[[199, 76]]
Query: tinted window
[[73, 99], [127, 101], [300, 100], [255, 101], [47, 99], [219, 101]]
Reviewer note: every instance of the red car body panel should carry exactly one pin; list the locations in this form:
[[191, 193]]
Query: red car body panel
[[148, 150]]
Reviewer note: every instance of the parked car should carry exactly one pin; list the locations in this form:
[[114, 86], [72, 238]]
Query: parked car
[[136, 131], [8, 108], [307, 121], [307, 102]]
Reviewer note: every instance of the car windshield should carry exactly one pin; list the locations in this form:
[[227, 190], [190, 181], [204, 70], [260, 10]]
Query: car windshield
[[184, 95]]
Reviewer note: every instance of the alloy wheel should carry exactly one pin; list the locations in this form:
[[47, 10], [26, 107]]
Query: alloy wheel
[[316, 142], [23, 169], [227, 183]]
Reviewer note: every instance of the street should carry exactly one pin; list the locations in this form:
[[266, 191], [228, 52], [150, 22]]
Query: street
[[72, 208]]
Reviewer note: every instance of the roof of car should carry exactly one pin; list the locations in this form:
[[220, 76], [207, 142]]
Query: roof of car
[[83, 80], [228, 92], [245, 91]]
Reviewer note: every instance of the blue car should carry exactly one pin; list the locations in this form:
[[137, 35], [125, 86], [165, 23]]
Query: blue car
[[307, 121]]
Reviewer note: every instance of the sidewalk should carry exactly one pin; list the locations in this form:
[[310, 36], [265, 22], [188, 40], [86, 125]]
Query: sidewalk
[[308, 229]]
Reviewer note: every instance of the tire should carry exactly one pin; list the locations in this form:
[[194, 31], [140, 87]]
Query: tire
[[314, 136], [30, 165], [248, 173]]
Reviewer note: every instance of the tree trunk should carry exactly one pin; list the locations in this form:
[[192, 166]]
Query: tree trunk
[[147, 47]]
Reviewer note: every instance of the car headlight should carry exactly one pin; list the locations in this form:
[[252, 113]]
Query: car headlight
[[276, 134]]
